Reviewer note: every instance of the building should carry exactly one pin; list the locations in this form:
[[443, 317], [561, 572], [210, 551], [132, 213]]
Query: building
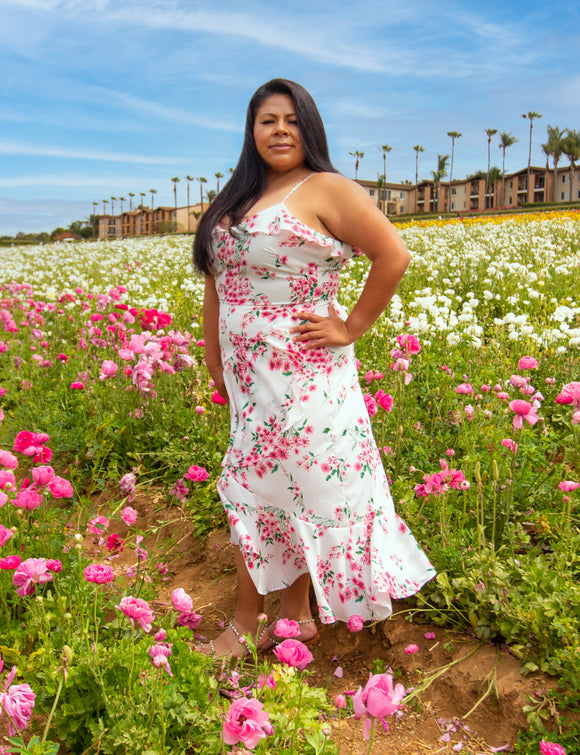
[[143, 221]]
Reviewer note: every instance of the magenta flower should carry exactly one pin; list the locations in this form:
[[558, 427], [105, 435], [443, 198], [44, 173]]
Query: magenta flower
[[411, 649], [523, 411], [114, 543], [340, 702], [567, 486], [17, 701], [287, 628], [218, 399], [576, 418], [190, 619], [160, 656], [100, 574], [76, 385], [28, 499], [60, 488], [511, 444], [384, 400], [370, 404], [409, 343], [181, 601], [196, 474], [31, 572], [127, 484], [108, 369], [8, 460], [5, 535], [551, 748], [54, 565], [429, 635], [293, 653], [42, 475], [129, 516], [3, 498], [465, 389], [137, 610], [247, 722], [7, 480], [98, 525], [377, 700], [10, 563], [527, 363], [355, 623], [570, 395]]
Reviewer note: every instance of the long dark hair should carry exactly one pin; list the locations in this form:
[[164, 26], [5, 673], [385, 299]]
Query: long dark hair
[[248, 180]]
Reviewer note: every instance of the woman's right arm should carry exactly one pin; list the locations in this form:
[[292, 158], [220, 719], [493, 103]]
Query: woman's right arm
[[211, 314]]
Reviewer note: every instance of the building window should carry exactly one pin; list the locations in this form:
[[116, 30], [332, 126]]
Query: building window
[[372, 192], [511, 184], [563, 196], [402, 195], [403, 206], [510, 200], [564, 177], [452, 205], [454, 191]]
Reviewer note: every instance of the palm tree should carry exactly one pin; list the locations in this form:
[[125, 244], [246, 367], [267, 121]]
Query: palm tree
[[152, 192], [384, 149], [175, 182], [571, 148], [494, 176], [189, 179], [211, 194], [113, 205], [438, 174], [131, 195], [358, 156], [121, 200], [142, 216], [490, 132], [454, 135], [505, 140], [142, 194], [553, 149], [380, 190], [202, 181], [531, 116], [105, 201], [95, 205], [418, 148], [218, 175]]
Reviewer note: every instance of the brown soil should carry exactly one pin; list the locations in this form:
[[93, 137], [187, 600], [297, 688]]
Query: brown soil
[[477, 702]]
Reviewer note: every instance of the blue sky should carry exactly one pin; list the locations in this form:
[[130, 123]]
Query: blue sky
[[99, 98]]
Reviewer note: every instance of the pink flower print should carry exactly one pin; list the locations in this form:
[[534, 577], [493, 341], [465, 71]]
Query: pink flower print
[[8, 460], [293, 653], [247, 722], [355, 623], [5, 535], [287, 628], [100, 574], [570, 395], [527, 363], [129, 516], [181, 601], [523, 411], [567, 486], [17, 701], [31, 572], [137, 610]]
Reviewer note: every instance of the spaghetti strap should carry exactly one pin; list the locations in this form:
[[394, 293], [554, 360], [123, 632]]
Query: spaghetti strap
[[293, 189]]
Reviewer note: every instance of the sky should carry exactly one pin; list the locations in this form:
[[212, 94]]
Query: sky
[[100, 98]]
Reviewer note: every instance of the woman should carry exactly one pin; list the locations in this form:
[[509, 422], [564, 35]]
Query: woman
[[302, 482]]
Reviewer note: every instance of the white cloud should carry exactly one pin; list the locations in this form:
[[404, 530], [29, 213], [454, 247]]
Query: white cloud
[[14, 148]]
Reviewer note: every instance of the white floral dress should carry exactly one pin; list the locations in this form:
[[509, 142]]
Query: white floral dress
[[302, 483]]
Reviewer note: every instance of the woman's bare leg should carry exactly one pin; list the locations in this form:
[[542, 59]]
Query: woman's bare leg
[[295, 605]]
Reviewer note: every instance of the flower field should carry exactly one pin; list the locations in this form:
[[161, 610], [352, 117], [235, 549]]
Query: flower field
[[472, 381]]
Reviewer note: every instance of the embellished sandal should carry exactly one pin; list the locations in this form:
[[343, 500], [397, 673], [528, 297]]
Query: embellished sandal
[[271, 642], [243, 648]]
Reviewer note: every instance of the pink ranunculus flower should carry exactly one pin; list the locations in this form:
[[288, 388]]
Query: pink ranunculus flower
[[570, 395], [523, 410], [411, 649], [7, 480], [108, 369], [409, 343], [5, 534], [160, 656], [370, 404], [100, 574], [247, 722], [293, 653], [400, 365], [217, 398], [31, 572], [551, 748], [384, 400], [567, 486], [129, 516], [42, 475], [60, 488], [576, 418], [3, 498], [8, 460], [378, 699], [28, 499], [137, 610], [465, 389], [196, 474], [190, 619], [77, 385], [287, 628], [10, 563], [429, 635], [510, 444], [98, 525], [17, 701], [54, 565], [527, 363], [355, 623], [181, 600]]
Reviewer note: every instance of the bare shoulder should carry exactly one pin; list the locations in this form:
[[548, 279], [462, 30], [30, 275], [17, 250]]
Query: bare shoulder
[[336, 186]]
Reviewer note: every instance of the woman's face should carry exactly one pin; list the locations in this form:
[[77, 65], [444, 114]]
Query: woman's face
[[277, 135]]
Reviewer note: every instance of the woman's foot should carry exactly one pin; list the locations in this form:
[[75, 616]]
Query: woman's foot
[[230, 643], [308, 633]]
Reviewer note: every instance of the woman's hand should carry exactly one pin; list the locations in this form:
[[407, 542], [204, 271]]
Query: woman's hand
[[322, 331], [217, 375]]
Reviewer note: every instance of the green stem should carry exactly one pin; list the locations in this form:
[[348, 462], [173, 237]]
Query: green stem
[[294, 730], [52, 710], [371, 738]]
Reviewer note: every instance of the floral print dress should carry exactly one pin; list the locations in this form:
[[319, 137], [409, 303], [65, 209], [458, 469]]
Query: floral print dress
[[302, 483]]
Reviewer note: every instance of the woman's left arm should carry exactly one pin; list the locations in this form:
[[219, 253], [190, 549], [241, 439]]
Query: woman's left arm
[[350, 215]]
